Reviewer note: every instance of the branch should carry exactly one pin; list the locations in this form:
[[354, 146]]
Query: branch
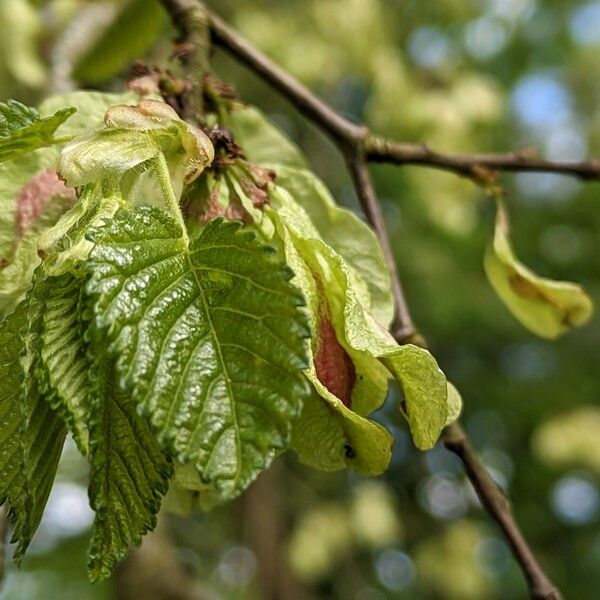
[[345, 133], [190, 19], [497, 505], [403, 327], [357, 144], [474, 166], [455, 438]]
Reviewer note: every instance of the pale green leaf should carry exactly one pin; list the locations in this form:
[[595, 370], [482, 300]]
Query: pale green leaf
[[425, 392], [16, 276], [106, 153], [136, 137], [129, 472], [347, 235], [208, 336], [454, 404], [329, 435], [15, 175], [546, 307], [91, 107], [261, 141], [65, 245]]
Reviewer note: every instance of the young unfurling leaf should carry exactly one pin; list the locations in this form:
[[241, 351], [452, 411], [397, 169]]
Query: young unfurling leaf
[[133, 136], [546, 307]]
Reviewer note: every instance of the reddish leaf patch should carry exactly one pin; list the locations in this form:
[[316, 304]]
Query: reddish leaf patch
[[333, 365], [34, 197]]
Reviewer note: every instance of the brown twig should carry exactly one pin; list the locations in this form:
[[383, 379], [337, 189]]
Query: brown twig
[[357, 145], [190, 19], [375, 148], [455, 438], [381, 150]]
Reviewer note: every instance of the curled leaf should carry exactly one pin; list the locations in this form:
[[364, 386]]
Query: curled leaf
[[546, 307], [133, 136], [454, 404], [325, 278]]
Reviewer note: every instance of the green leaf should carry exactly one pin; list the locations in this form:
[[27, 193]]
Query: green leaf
[[32, 435], [11, 417], [64, 366], [208, 337], [91, 107], [103, 154], [127, 38], [129, 472], [423, 383], [261, 141], [22, 130], [14, 116], [65, 245], [454, 404], [425, 392], [347, 235], [546, 307]]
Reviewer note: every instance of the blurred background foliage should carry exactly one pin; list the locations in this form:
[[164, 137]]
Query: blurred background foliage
[[462, 75]]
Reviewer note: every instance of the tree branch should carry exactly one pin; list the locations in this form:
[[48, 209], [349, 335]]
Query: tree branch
[[403, 327], [190, 18], [345, 133], [474, 166], [357, 145], [455, 438]]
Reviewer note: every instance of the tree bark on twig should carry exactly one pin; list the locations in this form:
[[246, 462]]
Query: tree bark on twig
[[377, 148]]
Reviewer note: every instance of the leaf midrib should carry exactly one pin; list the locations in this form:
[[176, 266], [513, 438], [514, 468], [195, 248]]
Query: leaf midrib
[[222, 363]]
